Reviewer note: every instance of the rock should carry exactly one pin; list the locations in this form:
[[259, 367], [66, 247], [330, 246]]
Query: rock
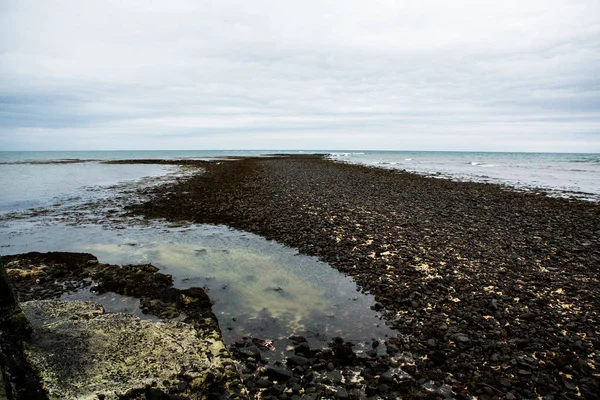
[[251, 351], [303, 348], [264, 383], [372, 353], [527, 316], [342, 394], [80, 352], [386, 377], [524, 372], [278, 374], [392, 348], [335, 376], [461, 338], [297, 360], [296, 388], [327, 352], [383, 388], [12, 321], [3, 394], [21, 382]]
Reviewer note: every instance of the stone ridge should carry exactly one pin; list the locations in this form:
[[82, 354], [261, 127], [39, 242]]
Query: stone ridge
[[496, 291]]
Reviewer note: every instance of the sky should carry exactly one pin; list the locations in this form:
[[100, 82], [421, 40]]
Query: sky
[[471, 75]]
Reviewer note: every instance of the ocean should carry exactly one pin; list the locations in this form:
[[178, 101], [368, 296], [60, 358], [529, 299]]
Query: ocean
[[572, 175], [70, 201], [35, 179]]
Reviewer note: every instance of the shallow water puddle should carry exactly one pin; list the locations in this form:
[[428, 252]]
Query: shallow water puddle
[[260, 288], [112, 302]]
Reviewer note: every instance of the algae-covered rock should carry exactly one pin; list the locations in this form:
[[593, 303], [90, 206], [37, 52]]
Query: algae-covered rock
[[79, 353]]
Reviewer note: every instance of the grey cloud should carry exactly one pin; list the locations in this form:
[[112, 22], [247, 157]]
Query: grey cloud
[[307, 74]]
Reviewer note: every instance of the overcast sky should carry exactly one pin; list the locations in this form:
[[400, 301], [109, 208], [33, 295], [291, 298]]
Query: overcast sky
[[254, 74]]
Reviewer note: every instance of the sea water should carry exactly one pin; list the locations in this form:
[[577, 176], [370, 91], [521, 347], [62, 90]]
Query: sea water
[[575, 175], [572, 175]]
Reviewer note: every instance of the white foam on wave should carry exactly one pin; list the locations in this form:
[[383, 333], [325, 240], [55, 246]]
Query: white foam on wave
[[346, 154]]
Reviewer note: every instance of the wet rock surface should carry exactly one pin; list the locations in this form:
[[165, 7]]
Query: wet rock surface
[[65, 331], [78, 351], [336, 371], [495, 291]]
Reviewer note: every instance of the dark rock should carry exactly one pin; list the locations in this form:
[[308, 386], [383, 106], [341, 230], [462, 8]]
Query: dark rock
[[527, 316], [392, 348], [383, 388], [342, 394], [303, 348], [297, 360], [386, 377], [12, 321], [263, 383], [279, 374], [461, 338], [251, 351]]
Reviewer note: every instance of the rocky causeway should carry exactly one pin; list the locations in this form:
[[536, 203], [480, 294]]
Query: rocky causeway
[[493, 292]]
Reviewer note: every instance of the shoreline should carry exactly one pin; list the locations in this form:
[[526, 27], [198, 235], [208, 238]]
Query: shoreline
[[494, 289]]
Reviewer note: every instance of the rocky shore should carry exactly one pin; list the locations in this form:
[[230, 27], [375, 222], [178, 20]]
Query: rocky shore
[[495, 292], [76, 350]]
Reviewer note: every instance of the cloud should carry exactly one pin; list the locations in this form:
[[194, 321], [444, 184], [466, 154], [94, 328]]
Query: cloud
[[467, 75]]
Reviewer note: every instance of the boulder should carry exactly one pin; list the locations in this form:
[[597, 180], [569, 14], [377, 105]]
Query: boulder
[[12, 322]]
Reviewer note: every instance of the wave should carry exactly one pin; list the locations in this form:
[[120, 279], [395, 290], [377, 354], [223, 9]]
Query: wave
[[480, 164], [587, 160]]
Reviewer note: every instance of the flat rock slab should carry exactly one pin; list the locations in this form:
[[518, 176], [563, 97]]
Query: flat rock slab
[[79, 352]]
